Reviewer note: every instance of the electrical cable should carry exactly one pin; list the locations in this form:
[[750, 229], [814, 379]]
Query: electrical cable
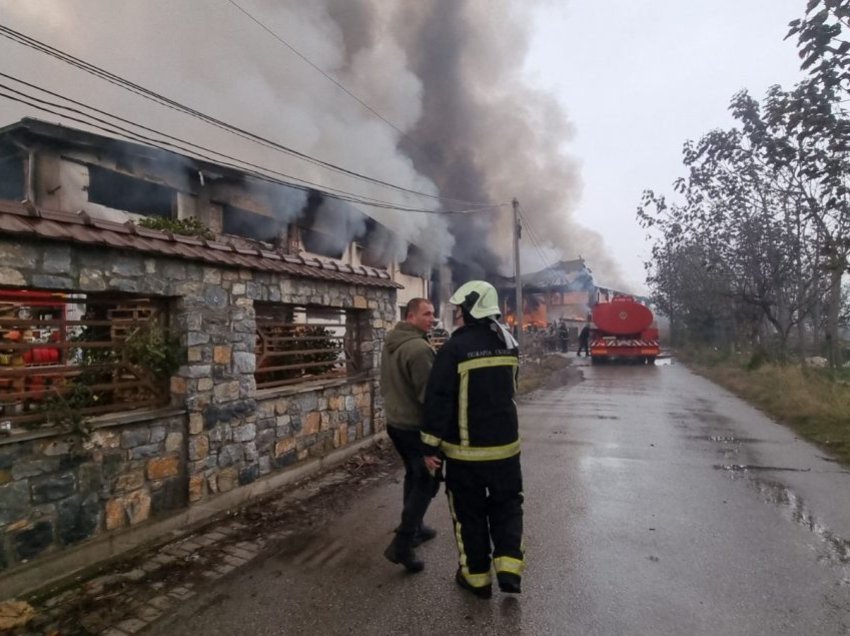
[[114, 129], [534, 239], [537, 244], [146, 128], [413, 143], [534, 242], [327, 76], [150, 95]]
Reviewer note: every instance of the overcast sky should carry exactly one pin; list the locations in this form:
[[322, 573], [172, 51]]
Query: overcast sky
[[635, 78], [639, 77]]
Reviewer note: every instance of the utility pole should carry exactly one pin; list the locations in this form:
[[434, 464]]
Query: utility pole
[[517, 277]]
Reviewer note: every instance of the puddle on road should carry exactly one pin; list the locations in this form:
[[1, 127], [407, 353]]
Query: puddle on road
[[836, 550], [726, 439], [567, 442], [742, 468]]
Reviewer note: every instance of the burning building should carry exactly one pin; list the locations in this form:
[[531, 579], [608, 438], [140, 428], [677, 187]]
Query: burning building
[[66, 169], [171, 332], [564, 291]]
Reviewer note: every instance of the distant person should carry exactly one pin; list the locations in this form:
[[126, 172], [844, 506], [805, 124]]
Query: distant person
[[438, 335], [563, 337], [584, 339], [406, 363]]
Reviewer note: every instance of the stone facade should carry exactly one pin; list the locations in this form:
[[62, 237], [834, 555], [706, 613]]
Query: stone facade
[[220, 432], [58, 491]]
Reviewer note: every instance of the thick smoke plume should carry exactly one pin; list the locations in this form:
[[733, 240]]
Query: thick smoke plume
[[447, 73]]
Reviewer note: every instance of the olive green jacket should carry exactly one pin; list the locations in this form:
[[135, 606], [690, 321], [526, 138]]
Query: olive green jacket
[[405, 366]]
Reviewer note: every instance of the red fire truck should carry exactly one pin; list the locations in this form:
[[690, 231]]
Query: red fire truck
[[624, 330]]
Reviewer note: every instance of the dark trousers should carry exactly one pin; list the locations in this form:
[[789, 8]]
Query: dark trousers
[[485, 499], [582, 344], [418, 482]]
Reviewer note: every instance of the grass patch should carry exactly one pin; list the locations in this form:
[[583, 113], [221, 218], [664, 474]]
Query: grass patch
[[813, 402], [535, 372]]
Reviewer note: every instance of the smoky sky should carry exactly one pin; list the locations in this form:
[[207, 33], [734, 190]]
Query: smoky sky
[[485, 135], [448, 73]]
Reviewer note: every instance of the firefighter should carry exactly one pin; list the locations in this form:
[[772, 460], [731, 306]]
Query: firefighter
[[471, 421], [584, 339], [563, 336]]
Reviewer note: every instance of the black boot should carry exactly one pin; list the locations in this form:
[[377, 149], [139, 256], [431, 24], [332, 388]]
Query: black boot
[[425, 533], [484, 592], [400, 551], [509, 583]]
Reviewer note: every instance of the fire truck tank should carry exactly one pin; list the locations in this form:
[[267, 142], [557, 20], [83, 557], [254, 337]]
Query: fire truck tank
[[622, 316]]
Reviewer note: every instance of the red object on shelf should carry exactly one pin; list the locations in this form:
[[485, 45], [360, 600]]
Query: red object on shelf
[[33, 298], [41, 355]]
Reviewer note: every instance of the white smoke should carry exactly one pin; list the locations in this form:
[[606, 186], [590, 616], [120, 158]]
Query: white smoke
[[446, 73]]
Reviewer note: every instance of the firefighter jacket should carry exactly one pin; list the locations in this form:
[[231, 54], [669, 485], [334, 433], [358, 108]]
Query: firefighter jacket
[[470, 414]]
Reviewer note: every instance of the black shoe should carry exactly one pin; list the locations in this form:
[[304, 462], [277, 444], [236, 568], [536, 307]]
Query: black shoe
[[509, 583], [401, 555], [426, 533], [485, 591]]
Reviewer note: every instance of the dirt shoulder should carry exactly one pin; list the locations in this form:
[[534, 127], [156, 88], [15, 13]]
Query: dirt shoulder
[[809, 401], [548, 372]]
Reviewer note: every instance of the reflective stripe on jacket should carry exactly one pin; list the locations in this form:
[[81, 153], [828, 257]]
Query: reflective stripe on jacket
[[470, 414]]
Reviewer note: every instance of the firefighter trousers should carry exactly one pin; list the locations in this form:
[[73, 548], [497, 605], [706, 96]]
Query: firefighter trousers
[[485, 499]]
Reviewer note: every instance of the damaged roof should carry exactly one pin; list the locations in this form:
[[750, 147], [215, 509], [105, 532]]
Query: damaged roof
[[33, 130], [573, 275], [29, 221]]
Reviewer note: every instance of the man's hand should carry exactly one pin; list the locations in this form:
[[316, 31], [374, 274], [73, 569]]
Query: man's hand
[[432, 463]]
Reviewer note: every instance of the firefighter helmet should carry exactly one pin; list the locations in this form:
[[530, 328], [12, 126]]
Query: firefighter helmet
[[479, 298]]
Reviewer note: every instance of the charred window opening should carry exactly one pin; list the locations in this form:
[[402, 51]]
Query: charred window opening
[[12, 175], [319, 242], [121, 192], [379, 245], [416, 263], [328, 226], [241, 222]]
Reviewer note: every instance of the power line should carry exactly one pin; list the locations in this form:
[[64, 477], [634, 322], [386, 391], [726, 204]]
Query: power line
[[414, 144], [537, 244], [148, 140], [119, 131], [533, 238], [327, 76], [150, 95]]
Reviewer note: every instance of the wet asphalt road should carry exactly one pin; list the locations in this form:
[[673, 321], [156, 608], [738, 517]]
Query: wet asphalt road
[[656, 503]]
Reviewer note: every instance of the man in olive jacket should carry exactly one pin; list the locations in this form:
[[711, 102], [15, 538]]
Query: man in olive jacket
[[406, 363]]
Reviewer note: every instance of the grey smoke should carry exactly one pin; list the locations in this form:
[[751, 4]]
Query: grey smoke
[[484, 134], [446, 72]]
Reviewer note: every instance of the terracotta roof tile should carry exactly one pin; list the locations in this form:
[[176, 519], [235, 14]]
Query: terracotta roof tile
[[24, 219], [14, 225]]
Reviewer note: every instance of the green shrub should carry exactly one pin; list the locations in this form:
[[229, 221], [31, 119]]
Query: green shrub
[[184, 227]]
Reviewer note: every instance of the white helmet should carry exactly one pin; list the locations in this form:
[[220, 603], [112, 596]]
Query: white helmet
[[479, 298]]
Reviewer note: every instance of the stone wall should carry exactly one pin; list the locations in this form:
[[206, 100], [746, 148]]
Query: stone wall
[[60, 490], [223, 434], [281, 432]]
